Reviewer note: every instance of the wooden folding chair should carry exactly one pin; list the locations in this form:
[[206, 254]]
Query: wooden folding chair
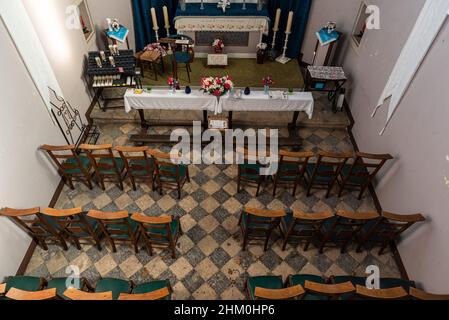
[[259, 224], [139, 166], [292, 167], [116, 286], [362, 172], [36, 226], [328, 291], [345, 228], [397, 293], [324, 174], [389, 228], [265, 282], [117, 227], [78, 295], [169, 174], [70, 165], [159, 231], [154, 290], [21, 295], [107, 166], [249, 170], [303, 227], [425, 296], [291, 293], [75, 225]]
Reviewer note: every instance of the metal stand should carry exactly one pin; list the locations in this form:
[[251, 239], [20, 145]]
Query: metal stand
[[272, 52], [168, 31], [156, 31], [284, 59]]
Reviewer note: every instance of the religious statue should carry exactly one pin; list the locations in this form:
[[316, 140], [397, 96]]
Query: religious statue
[[224, 4]]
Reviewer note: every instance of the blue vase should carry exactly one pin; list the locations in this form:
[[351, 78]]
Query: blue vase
[[247, 91], [188, 90]]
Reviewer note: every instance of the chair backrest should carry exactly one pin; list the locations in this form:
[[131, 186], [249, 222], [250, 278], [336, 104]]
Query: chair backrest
[[75, 294], [61, 156], [329, 164], [309, 221], [366, 166], [279, 294], [382, 294], [392, 225], [113, 224], [155, 228], [425, 296], [164, 165], [72, 221], [102, 158], [183, 47], [30, 220], [258, 220], [292, 164], [329, 290], [17, 294], [2, 288], [136, 159], [349, 224], [150, 296]]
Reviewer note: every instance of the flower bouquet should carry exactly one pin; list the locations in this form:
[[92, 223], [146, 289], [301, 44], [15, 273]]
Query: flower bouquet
[[156, 47], [218, 45], [267, 83], [173, 83], [217, 86]]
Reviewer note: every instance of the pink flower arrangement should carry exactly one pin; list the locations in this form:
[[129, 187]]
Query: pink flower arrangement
[[218, 45], [217, 86], [170, 81], [268, 81], [156, 47]]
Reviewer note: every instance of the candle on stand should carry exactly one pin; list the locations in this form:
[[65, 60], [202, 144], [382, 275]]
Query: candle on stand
[[166, 18], [154, 18], [112, 61], [289, 22], [98, 61], [277, 20], [102, 56]]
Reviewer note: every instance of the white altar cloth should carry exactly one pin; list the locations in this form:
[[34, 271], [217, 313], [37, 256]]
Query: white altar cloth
[[167, 100], [259, 101]]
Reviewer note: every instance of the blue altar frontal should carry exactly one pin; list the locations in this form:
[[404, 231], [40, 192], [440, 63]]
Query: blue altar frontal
[[211, 10]]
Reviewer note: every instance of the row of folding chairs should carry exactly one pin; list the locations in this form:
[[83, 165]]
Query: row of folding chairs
[[33, 288], [348, 171], [312, 287], [74, 225], [134, 163], [325, 228]]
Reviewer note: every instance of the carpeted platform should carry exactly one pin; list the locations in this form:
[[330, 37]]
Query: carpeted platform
[[245, 73]]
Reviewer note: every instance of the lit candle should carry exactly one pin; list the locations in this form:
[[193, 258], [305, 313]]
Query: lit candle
[[276, 22], [154, 17], [289, 22], [166, 18], [115, 49], [98, 60], [112, 61]]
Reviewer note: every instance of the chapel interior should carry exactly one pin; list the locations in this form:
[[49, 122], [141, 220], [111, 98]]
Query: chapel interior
[[224, 150]]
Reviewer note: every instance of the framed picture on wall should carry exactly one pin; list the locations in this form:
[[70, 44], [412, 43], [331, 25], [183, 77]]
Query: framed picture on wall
[[360, 26], [85, 19]]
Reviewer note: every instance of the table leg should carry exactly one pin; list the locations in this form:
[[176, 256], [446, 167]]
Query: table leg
[[293, 125], [230, 119], [205, 120], [143, 122]]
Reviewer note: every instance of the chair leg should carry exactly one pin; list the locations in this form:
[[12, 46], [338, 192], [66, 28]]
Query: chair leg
[[70, 182], [265, 248], [133, 182], [63, 243], [188, 71], [306, 247], [102, 185], [384, 246], [245, 241], [77, 243], [284, 244], [362, 192], [42, 243]]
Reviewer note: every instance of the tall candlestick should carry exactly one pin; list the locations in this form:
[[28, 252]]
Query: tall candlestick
[[277, 20], [289, 22], [154, 18], [166, 19]]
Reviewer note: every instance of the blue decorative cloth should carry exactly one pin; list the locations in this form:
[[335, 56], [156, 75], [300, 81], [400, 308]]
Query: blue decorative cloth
[[211, 10], [326, 37]]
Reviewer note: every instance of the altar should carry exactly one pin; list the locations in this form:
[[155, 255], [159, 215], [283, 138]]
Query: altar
[[241, 30]]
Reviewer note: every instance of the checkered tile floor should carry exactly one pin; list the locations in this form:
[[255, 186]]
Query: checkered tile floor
[[210, 262]]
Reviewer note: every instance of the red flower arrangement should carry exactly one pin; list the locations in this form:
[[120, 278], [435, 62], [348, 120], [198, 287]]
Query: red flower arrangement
[[268, 81], [216, 86]]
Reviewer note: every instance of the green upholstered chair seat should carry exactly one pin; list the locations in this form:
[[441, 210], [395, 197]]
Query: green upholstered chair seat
[[301, 279], [151, 287], [310, 169], [361, 180], [247, 171], [24, 283], [85, 162], [134, 225], [182, 57], [174, 228], [116, 286], [172, 170], [266, 225], [290, 169], [61, 286], [266, 282], [118, 161], [141, 167]]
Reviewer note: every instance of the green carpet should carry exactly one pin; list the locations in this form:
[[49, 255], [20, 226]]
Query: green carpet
[[244, 72]]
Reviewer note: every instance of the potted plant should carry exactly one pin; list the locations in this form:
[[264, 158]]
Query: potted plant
[[218, 45], [261, 52]]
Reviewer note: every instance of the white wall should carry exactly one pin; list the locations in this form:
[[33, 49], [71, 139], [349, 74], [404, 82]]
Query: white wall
[[26, 180], [416, 137]]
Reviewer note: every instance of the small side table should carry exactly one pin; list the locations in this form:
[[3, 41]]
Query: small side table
[[326, 79], [154, 58], [217, 59]]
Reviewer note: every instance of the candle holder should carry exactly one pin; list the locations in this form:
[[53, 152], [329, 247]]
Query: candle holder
[[168, 31], [283, 58], [156, 31], [202, 5], [272, 53], [244, 5]]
